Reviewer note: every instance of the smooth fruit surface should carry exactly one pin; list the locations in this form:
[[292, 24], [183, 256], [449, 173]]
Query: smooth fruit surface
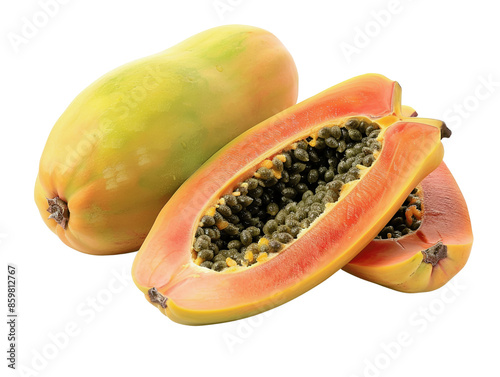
[[164, 268], [127, 142]]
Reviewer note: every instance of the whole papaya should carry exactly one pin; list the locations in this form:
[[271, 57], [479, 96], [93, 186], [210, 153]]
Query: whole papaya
[[127, 142]]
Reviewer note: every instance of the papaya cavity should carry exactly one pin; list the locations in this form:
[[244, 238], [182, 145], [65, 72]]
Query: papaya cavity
[[285, 195], [58, 210], [407, 219]]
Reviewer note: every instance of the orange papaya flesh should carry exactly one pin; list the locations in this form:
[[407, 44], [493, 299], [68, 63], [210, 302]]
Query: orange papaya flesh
[[165, 268], [128, 141], [429, 256]]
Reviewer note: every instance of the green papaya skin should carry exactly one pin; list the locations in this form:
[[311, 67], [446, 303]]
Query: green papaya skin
[[127, 142]]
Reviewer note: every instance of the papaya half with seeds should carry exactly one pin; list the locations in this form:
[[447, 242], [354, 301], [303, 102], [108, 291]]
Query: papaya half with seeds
[[286, 204], [128, 141], [435, 244]]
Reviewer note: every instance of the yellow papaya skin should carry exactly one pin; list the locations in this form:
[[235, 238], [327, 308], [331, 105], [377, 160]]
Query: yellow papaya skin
[[127, 141]]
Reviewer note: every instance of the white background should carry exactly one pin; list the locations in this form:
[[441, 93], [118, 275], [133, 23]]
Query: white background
[[440, 52]]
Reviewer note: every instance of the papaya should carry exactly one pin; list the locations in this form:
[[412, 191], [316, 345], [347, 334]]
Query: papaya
[[286, 204], [425, 244], [127, 142]]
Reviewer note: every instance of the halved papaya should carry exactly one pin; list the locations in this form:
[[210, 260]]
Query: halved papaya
[[425, 244], [286, 204], [128, 141]]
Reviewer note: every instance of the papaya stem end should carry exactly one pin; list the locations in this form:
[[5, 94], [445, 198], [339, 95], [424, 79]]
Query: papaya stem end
[[435, 253], [445, 131], [58, 210], [157, 298]]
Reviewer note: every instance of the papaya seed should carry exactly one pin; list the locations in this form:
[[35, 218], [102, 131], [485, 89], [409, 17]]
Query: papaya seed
[[350, 177], [207, 264], [272, 209], [246, 237], [233, 219], [224, 210], [355, 135], [256, 193], [368, 160], [243, 190], [202, 242], [231, 230], [271, 182], [236, 208], [220, 257], [289, 192], [219, 265], [288, 160], [362, 126], [301, 188], [295, 231], [294, 179], [415, 225], [206, 254], [263, 173], [352, 124], [264, 248], [324, 133], [230, 200], [320, 144], [278, 164], [275, 246], [336, 132], [313, 176], [313, 215], [209, 232], [207, 221], [350, 152], [298, 167], [302, 144], [234, 244], [254, 231], [270, 227], [284, 237], [342, 146], [307, 194], [313, 155], [301, 154], [329, 175], [331, 142]]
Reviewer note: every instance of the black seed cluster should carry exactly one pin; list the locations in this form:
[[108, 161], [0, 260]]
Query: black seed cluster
[[401, 224], [285, 195]]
